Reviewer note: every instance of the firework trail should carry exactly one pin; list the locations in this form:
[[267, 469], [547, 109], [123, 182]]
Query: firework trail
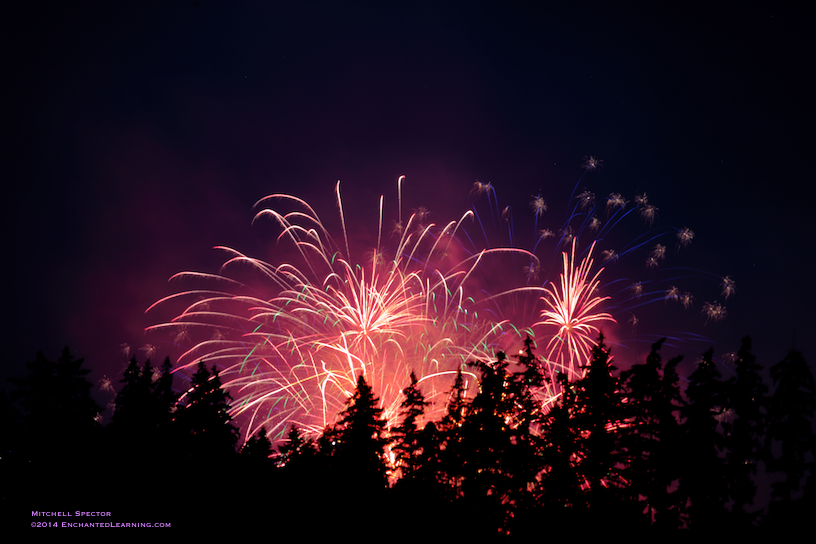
[[291, 338], [578, 299], [290, 351], [573, 310]]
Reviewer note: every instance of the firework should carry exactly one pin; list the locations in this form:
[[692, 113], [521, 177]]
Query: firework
[[291, 337], [291, 342], [572, 307]]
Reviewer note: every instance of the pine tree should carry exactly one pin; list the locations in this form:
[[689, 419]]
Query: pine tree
[[790, 428], [704, 479], [598, 416], [502, 461], [650, 438], [525, 459], [59, 415], [203, 424], [295, 451], [407, 435], [417, 452], [451, 451], [143, 411], [747, 394], [304, 476], [561, 482], [670, 505], [164, 403], [133, 410], [456, 408], [486, 441], [360, 441], [61, 433], [258, 449]]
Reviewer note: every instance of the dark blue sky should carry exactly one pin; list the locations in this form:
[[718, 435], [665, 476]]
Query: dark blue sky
[[138, 135]]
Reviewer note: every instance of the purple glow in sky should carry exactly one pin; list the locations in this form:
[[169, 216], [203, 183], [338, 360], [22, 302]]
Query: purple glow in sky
[[138, 138]]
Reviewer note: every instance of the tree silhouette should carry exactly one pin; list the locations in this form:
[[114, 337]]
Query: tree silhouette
[[408, 446], [451, 449], [360, 440], [598, 417], [501, 453], [134, 413], [203, 424], [562, 500], [303, 482], [790, 437], [421, 482], [610, 449], [651, 438], [165, 400], [258, 449], [705, 478], [486, 438], [747, 395], [61, 434], [525, 456], [456, 409], [296, 450], [59, 415], [142, 427]]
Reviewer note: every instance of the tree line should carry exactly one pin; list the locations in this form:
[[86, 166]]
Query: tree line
[[629, 450]]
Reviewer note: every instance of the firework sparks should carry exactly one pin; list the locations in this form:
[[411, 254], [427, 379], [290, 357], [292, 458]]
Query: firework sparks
[[106, 385], [538, 205], [586, 199], [573, 310], [729, 287], [614, 202], [291, 338], [684, 237], [714, 311], [293, 356], [591, 163], [649, 213]]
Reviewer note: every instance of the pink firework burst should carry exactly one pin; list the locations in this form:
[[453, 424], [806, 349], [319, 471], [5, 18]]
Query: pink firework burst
[[573, 309], [291, 338]]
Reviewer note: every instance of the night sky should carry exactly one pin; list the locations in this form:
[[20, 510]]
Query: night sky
[[138, 135]]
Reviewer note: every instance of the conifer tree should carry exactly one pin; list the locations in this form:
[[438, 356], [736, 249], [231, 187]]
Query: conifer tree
[[650, 438], [486, 439], [304, 476], [407, 435], [164, 401], [204, 424], [258, 449], [451, 450], [561, 482], [790, 428], [670, 505], [296, 450], [747, 395], [598, 416], [704, 479], [133, 410], [456, 408], [61, 434], [360, 441], [501, 452], [59, 415], [143, 411]]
